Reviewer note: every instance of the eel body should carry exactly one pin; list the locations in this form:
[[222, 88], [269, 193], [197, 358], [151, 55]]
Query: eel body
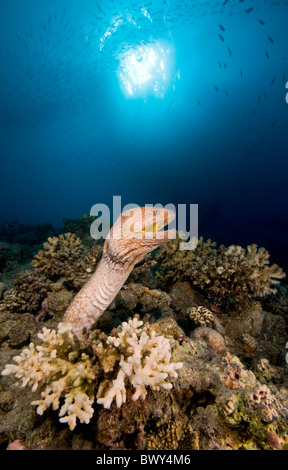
[[136, 232]]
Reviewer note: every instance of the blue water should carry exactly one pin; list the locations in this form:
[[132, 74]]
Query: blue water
[[70, 137]]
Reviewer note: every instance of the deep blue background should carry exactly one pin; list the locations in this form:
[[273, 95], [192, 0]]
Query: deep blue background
[[70, 139]]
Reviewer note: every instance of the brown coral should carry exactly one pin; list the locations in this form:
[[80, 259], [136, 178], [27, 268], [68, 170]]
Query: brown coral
[[57, 254], [145, 299], [65, 257], [232, 275], [29, 291], [172, 435]]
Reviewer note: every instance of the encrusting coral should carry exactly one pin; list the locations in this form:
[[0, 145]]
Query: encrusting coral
[[61, 368], [170, 435], [232, 275]]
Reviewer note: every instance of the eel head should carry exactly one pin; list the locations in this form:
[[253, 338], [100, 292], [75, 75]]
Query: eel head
[[136, 232]]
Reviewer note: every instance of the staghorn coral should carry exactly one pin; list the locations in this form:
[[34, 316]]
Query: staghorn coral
[[201, 316], [232, 275], [61, 368], [29, 291], [144, 361]]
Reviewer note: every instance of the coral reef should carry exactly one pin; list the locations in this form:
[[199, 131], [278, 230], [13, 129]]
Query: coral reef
[[278, 303], [215, 402], [18, 244], [64, 261], [227, 275], [2, 288], [62, 369], [113, 388], [25, 234], [6, 255], [11, 257]]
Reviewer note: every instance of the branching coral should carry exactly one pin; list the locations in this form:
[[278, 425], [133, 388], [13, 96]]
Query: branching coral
[[144, 361], [228, 275], [176, 264], [61, 368]]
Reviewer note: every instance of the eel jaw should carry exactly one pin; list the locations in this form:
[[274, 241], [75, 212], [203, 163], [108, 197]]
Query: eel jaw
[[153, 234], [131, 238]]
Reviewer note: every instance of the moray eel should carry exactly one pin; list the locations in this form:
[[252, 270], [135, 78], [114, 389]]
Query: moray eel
[[135, 233]]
